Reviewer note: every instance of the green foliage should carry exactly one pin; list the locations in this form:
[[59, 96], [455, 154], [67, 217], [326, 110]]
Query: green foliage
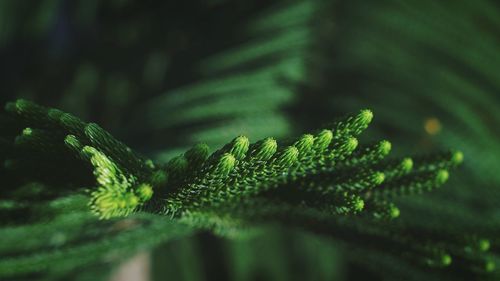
[[243, 89], [321, 182], [433, 87], [426, 68], [68, 236]]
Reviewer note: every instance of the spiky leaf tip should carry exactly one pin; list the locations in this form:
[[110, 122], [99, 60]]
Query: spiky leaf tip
[[483, 245], [355, 125], [240, 147], [225, 165], [385, 147], [323, 140], [265, 149], [394, 212], [343, 148], [365, 116], [55, 114], [475, 244], [177, 165], [288, 157], [352, 143], [378, 178], [73, 143], [113, 201], [398, 170], [348, 146], [407, 165], [358, 205], [72, 123], [347, 203], [27, 132], [446, 260], [457, 158], [145, 192], [104, 169], [197, 154], [150, 164], [384, 210], [442, 176], [481, 265], [114, 197], [20, 106], [439, 259], [489, 266], [305, 143]]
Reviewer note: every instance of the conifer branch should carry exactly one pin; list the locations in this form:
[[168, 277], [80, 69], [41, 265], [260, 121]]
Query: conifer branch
[[323, 178]]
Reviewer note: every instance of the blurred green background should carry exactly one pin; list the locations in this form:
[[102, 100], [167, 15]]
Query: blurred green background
[[163, 75]]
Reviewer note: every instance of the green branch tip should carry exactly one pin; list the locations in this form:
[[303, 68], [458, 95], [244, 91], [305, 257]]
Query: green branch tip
[[112, 201], [351, 144], [69, 120], [457, 158], [385, 210], [72, 142], [378, 178], [442, 176], [305, 143], [440, 260], [226, 164], [18, 106], [149, 163], [117, 195], [145, 192], [365, 116], [288, 157], [332, 178], [27, 132], [266, 149], [489, 266], [55, 114], [446, 260], [394, 212], [240, 147], [177, 164], [385, 147], [323, 140], [359, 204], [484, 245], [198, 153], [407, 164]]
